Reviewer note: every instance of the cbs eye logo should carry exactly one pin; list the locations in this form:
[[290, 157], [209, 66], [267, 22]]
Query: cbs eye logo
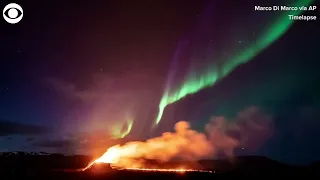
[[12, 13]]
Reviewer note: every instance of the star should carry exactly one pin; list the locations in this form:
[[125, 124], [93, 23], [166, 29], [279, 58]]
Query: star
[[240, 41]]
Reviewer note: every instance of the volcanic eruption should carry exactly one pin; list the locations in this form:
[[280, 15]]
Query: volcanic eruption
[[189, 145]]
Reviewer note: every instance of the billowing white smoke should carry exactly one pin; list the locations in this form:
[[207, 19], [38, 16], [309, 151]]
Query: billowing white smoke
[[249, 129]]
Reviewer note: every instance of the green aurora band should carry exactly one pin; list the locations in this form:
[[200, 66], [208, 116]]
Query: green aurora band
[[194, 83], [121, 130]]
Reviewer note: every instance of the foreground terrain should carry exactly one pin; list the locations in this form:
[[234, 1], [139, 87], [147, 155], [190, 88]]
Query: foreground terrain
[[21, 165]]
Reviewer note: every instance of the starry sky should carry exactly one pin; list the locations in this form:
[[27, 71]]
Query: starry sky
[[76, 77]]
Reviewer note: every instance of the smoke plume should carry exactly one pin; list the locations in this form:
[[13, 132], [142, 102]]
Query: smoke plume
[[249, 129]]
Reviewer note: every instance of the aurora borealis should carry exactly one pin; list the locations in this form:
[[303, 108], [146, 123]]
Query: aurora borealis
[[79, 78], [219, 67], [122, 130]]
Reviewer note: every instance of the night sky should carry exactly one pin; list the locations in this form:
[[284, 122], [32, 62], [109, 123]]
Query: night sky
[[75, 76]]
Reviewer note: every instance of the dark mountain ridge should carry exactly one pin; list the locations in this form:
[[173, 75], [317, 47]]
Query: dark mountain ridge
[[41, 161]]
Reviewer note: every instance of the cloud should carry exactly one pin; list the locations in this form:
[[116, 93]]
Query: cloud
[[54, 143], [249, 129], [14, 128], [30, 139], [76, 143], [107, 102], [104, 87]]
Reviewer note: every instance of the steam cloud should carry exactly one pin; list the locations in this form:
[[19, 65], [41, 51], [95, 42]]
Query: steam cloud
[[249, 129]]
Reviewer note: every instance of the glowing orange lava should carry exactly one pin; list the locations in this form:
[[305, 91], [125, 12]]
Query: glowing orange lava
[[168, 170], [155, 170]]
